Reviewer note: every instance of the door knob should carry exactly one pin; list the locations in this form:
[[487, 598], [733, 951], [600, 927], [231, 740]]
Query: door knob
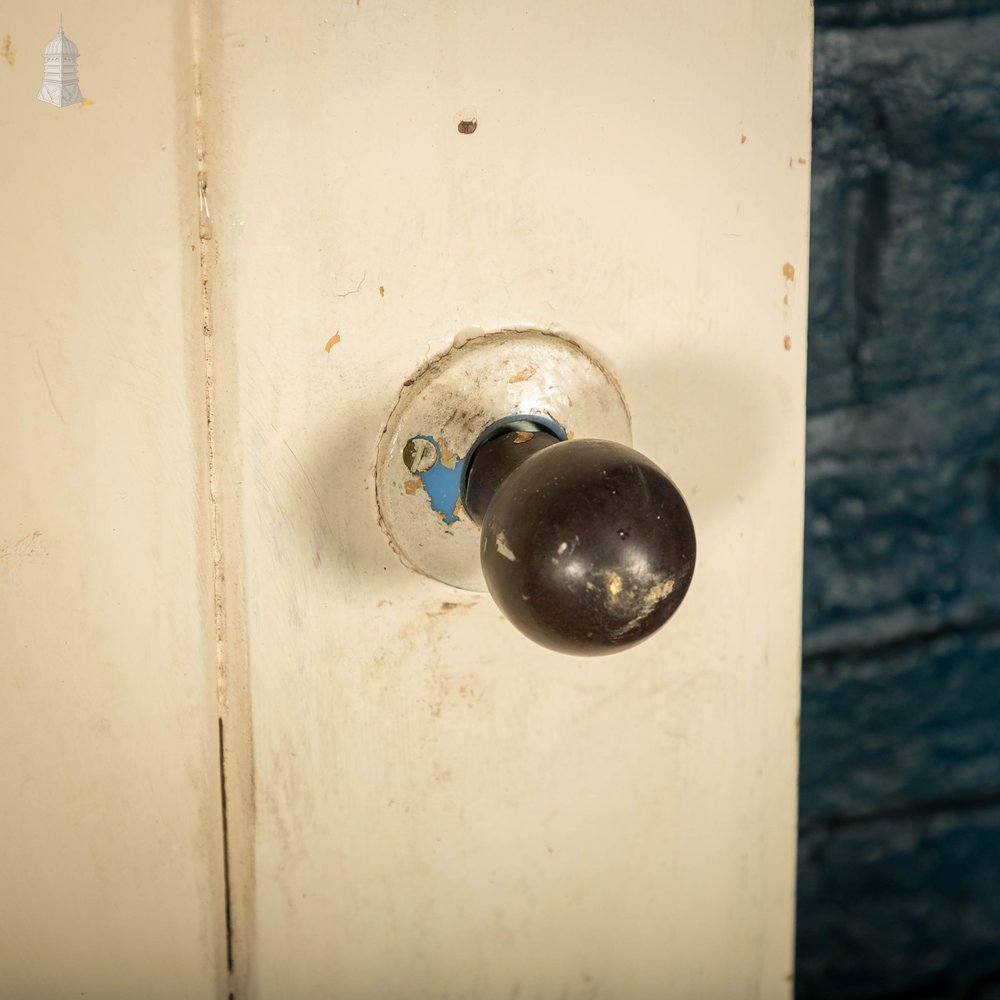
[[506, 466], [586, 546]]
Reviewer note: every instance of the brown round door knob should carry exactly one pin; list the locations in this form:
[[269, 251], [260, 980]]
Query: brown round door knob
[[586, 546]]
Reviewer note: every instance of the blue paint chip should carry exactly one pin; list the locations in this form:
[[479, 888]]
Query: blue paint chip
[[443, 485]]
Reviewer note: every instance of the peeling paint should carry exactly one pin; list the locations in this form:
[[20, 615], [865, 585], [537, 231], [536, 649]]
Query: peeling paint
[[523, 375]]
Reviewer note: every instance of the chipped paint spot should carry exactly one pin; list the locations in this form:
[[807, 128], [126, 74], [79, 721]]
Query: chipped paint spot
[[8, 51], [440, 471], [656, 594], [614, 582], [335, 339], [467, 126], [563, 546], [411, 486], [523, 375], [381, 291], [788, 342], [503, 548], [521, 436], [24, 547], [788, 271]]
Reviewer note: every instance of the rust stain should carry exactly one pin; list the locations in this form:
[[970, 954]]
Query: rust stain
[[8, 51], [381, 291], [468, 126], [523, 375], [447, 455], [788, 342], [743, 139], [411, 486], [521, 436], [335, 339], [788, 271]]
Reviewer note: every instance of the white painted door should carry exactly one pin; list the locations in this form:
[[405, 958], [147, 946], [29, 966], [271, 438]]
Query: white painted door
[[418, 801], [111, 855]]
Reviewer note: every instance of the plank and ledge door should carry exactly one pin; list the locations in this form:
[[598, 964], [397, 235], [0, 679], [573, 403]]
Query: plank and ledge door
[[444, 808]]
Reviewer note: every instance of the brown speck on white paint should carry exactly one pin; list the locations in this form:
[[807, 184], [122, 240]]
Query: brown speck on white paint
[[467, 126], [743, 139], [802, 160], [788, 271], [381, 291], [788, 342], [8, 51]]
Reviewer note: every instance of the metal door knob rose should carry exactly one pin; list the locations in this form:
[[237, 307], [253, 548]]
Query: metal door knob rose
[[506, 466], [587, 547]]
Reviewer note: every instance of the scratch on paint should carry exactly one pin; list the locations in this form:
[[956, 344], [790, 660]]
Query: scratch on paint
[[312, 486], [48, 388], [335, 339], [352, 291]]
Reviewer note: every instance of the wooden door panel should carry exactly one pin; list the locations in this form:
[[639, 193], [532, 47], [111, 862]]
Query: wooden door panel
[[441, 808]]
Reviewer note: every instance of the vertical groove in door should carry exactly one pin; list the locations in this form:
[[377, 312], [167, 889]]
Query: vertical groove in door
[[232, 674]]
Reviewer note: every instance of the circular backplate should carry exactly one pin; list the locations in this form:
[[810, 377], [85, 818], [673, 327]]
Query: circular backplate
[[444, 410]]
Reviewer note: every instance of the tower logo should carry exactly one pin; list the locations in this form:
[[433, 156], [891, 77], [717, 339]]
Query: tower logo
[[60, 86]]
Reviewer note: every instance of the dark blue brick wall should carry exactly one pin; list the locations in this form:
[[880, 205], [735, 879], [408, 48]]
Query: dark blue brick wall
[[899, 867]]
